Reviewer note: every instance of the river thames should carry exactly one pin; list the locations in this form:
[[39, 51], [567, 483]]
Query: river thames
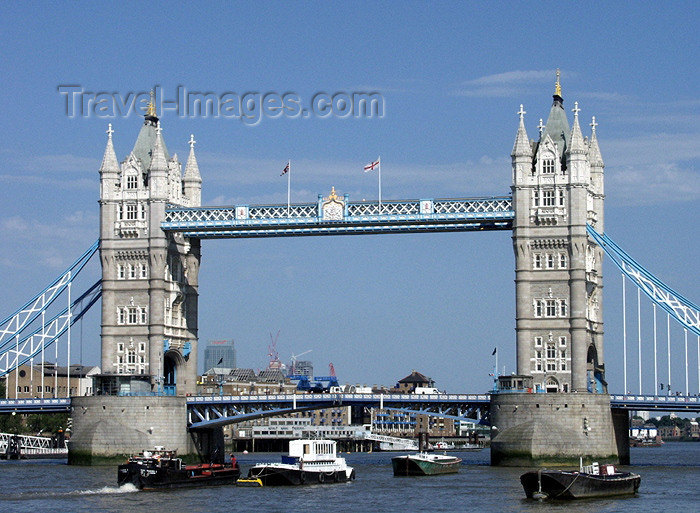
[[670, 480]]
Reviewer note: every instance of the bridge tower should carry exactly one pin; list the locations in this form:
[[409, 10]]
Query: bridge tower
[[556, 406], [149, 277]]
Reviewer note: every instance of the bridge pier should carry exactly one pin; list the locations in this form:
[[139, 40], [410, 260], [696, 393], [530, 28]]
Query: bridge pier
[[556, 429], [107, 429]]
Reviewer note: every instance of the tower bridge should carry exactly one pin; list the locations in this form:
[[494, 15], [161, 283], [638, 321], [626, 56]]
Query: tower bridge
[[151, 226]]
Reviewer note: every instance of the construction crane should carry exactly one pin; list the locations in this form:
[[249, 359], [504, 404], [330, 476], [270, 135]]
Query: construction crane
[[272, 353], [294, 358]]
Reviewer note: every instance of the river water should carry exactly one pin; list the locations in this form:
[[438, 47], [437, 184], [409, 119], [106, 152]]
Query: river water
[[670, 482]]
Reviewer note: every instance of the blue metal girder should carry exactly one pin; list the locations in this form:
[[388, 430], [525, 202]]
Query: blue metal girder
[[655, 402], [205, 412], [305, 219], [35, 405]]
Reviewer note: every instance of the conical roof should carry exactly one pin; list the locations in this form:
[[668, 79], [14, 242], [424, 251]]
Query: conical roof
[[146, 141], [109, 160]]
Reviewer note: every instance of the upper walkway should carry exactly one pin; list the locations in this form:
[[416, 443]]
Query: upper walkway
[[339, 216]]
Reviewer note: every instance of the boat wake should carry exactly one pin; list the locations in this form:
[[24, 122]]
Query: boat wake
[[108, 490]]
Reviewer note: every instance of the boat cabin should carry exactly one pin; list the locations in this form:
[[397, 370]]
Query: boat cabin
[[312, 450]]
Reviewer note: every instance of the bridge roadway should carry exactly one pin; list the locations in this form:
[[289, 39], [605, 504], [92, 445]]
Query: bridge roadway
[[209, 411]]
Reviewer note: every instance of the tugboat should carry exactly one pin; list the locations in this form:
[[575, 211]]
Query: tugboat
[[308, 462], [158, 469], [590, 481]]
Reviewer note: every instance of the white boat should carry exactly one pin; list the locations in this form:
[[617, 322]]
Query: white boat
[[308, 462]]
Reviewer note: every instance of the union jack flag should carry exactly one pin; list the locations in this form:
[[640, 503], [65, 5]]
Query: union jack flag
[[285, 170]]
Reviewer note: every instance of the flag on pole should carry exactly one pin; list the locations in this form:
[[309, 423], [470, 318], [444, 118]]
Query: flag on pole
[[285, 170], [494, 351], [371, 166]]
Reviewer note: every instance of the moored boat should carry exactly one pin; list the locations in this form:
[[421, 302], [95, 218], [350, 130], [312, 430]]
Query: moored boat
[[589, 481], [425, 464], [308, 462], [159, 468]]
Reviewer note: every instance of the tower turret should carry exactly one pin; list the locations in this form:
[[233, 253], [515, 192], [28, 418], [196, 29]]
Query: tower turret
[[193, 180]]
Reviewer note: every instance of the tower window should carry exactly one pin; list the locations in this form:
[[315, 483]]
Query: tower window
[[132, 182], [121, 271], [561, 197], [548, 198], [551, 308], [562, 308], [144, 271], [538, 342], [548, 166], [562, 261], [537, 261], [131, 212], [550, 261], [536, 198]]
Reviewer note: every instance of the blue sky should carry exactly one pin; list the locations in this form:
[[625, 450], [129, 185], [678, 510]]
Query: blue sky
[[452, 76]]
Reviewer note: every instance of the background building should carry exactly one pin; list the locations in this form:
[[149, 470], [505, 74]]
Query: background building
[[220, 353]]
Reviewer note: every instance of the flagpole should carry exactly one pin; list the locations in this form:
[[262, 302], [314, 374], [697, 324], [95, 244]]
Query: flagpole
[[289, 186], [379, 159]]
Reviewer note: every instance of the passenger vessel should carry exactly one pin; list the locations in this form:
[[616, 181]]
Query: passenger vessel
[[308, 462]]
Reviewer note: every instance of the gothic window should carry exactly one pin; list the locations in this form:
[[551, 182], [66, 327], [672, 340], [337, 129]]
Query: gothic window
[[539, 307], [121, 271], [551, 308], [551, 351], [120, 347], [548, 198], [537, 261], [132, 271], [561, 197], [144, 316], [131, 358], [563, 366], [144, 271], [550, 261], [562, 261], [551, 366], [562, 341], [131, 212], [142, 347], [142, 211], [120, 212], [538, 342], [548, 166], [562, 308], [132, 315], [132, 182], [536, 198], [122, 316]]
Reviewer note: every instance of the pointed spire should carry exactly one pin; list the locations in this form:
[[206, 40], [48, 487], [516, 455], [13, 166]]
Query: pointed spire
[[158, 159], [594, 156], [191, 168], [576, 145], [522, 144], [109, 160]]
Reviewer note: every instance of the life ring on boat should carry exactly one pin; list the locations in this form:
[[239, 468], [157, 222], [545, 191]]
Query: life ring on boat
[[321, 477], [302, 477]]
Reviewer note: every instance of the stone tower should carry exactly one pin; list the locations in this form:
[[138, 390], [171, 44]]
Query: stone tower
[[557, 190], [149, 277], [556, 408]]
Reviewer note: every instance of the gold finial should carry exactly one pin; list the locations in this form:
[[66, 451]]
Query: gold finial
[[151, 110], [557, 86], [333, 195]]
